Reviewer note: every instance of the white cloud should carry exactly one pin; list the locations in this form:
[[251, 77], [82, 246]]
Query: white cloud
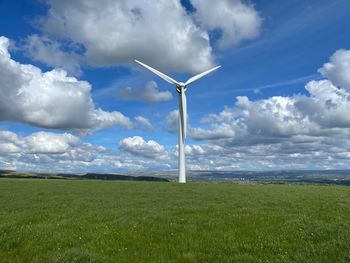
[[10, 143], [49, 99], [265, 121], [171, 121], [160, 33], [194, 149], [51, 53], [149, 93], [144, 123], [296, 153], [43, 142], [64, 152], [276, 117], [338, 69], [217, 132], [235, 20], [138, 146], [327, 106]]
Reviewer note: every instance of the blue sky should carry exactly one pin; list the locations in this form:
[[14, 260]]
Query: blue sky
[[269, 52]]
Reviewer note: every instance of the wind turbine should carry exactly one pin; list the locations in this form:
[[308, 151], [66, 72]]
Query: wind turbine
[[180, 88]]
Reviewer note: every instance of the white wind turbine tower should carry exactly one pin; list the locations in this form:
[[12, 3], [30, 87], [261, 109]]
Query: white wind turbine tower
[[180, 88]]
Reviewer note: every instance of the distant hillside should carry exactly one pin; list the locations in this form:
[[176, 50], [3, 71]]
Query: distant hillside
[[326, 177], [94, 176]]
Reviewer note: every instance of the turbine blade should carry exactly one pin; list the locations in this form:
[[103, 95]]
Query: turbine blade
[[194, 78], [183, 113], [158, 73]]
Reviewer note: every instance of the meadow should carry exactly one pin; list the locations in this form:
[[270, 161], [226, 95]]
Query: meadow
[[119, 221]]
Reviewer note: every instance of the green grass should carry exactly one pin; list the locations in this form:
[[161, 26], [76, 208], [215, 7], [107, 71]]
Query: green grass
[[110, 221]]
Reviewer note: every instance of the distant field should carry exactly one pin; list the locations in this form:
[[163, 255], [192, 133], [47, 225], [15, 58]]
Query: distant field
[[119, 221]]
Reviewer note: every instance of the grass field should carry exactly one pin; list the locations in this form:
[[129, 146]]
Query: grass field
[[112, 221]]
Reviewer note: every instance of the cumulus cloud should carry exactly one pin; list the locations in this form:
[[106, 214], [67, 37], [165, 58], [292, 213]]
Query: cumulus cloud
[[298, 152], [43, 142], [327, 105], [161, 33], [265, 121], [115, 33], [194, 150], [49, 99], [235, 20], [149, 93], [51, 53], [138, 146], [218, 131], [47, 147], [9, 143], [143, 123], [64, 152], [338, 69], [171, 121]]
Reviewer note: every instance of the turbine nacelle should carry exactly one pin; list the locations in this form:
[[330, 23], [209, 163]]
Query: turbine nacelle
[[181, 86]]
